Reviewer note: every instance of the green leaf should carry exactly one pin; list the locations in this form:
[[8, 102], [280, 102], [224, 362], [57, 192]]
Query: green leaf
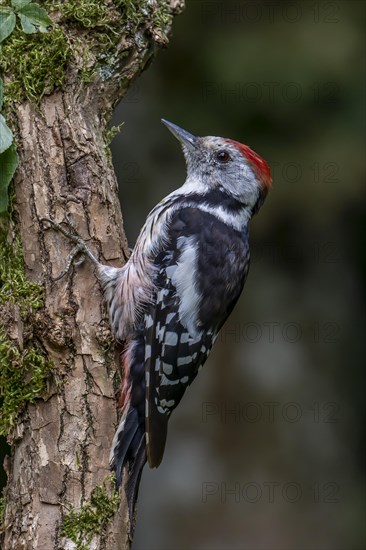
[[19, 4], [1, 94], [8, 164], [27, 25], [6, 136], [33, 18], [7, 24]]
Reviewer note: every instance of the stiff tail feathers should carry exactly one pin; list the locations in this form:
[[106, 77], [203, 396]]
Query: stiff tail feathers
[[133, 481], [128, 454]]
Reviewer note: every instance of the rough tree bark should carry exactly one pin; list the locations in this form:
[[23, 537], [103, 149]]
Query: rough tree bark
[[60, 446]]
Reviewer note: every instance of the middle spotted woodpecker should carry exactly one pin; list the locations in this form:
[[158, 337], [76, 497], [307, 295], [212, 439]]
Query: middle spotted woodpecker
[[177, 289], [168, 303]]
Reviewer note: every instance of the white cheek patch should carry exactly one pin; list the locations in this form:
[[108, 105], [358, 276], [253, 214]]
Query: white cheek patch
[[237, 221]]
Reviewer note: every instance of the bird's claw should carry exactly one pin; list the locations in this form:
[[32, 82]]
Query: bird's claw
[[72, 234], [79, 248]]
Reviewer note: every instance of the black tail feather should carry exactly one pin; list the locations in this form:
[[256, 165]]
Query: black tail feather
[[129, 456], [133, 481], [123, 438]]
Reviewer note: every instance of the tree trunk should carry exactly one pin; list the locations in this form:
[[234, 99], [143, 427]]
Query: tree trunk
[[61, 443]]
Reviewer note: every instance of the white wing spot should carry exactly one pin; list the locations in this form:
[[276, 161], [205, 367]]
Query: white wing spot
[[160, 332], [149, 321], [147, 352], [171, 339], [161, 294], [164, 381], [165, 403], [157, 364], [183, 361], [168, 369]]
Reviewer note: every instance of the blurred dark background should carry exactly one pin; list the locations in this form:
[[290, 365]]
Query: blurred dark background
[[265, 450]]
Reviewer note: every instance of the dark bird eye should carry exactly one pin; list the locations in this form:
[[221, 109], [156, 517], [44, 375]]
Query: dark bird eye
[[223, 156]]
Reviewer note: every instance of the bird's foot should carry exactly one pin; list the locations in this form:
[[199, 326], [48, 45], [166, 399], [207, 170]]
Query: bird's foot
[[72, 235]]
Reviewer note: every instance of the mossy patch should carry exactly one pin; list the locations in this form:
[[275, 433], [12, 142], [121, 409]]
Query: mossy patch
[[135, 12], [14, 285], [23, 373], [23, 379], [95, 28], [82, 525], [109, 136], [162, 15], [87, 13], [35, 64]]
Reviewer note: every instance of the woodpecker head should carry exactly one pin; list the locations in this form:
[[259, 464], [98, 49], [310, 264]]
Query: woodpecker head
[[224, 164]]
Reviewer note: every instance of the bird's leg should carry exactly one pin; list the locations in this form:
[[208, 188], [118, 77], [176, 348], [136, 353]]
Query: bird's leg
[[79, 248]]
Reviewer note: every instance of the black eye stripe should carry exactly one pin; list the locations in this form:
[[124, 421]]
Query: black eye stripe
[[222, 156]]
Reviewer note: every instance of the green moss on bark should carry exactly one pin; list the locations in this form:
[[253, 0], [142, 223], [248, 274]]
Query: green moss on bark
[[15, 288], [136, 12], [23, 379], [82, 525], [23, 372], [34, 64], [87, 13], [86, 35]]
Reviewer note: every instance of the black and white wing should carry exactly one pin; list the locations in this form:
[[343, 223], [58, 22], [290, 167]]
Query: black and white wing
[[200, 276]]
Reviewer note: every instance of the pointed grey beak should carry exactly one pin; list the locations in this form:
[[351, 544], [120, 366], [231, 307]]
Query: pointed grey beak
[[187, 139]]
